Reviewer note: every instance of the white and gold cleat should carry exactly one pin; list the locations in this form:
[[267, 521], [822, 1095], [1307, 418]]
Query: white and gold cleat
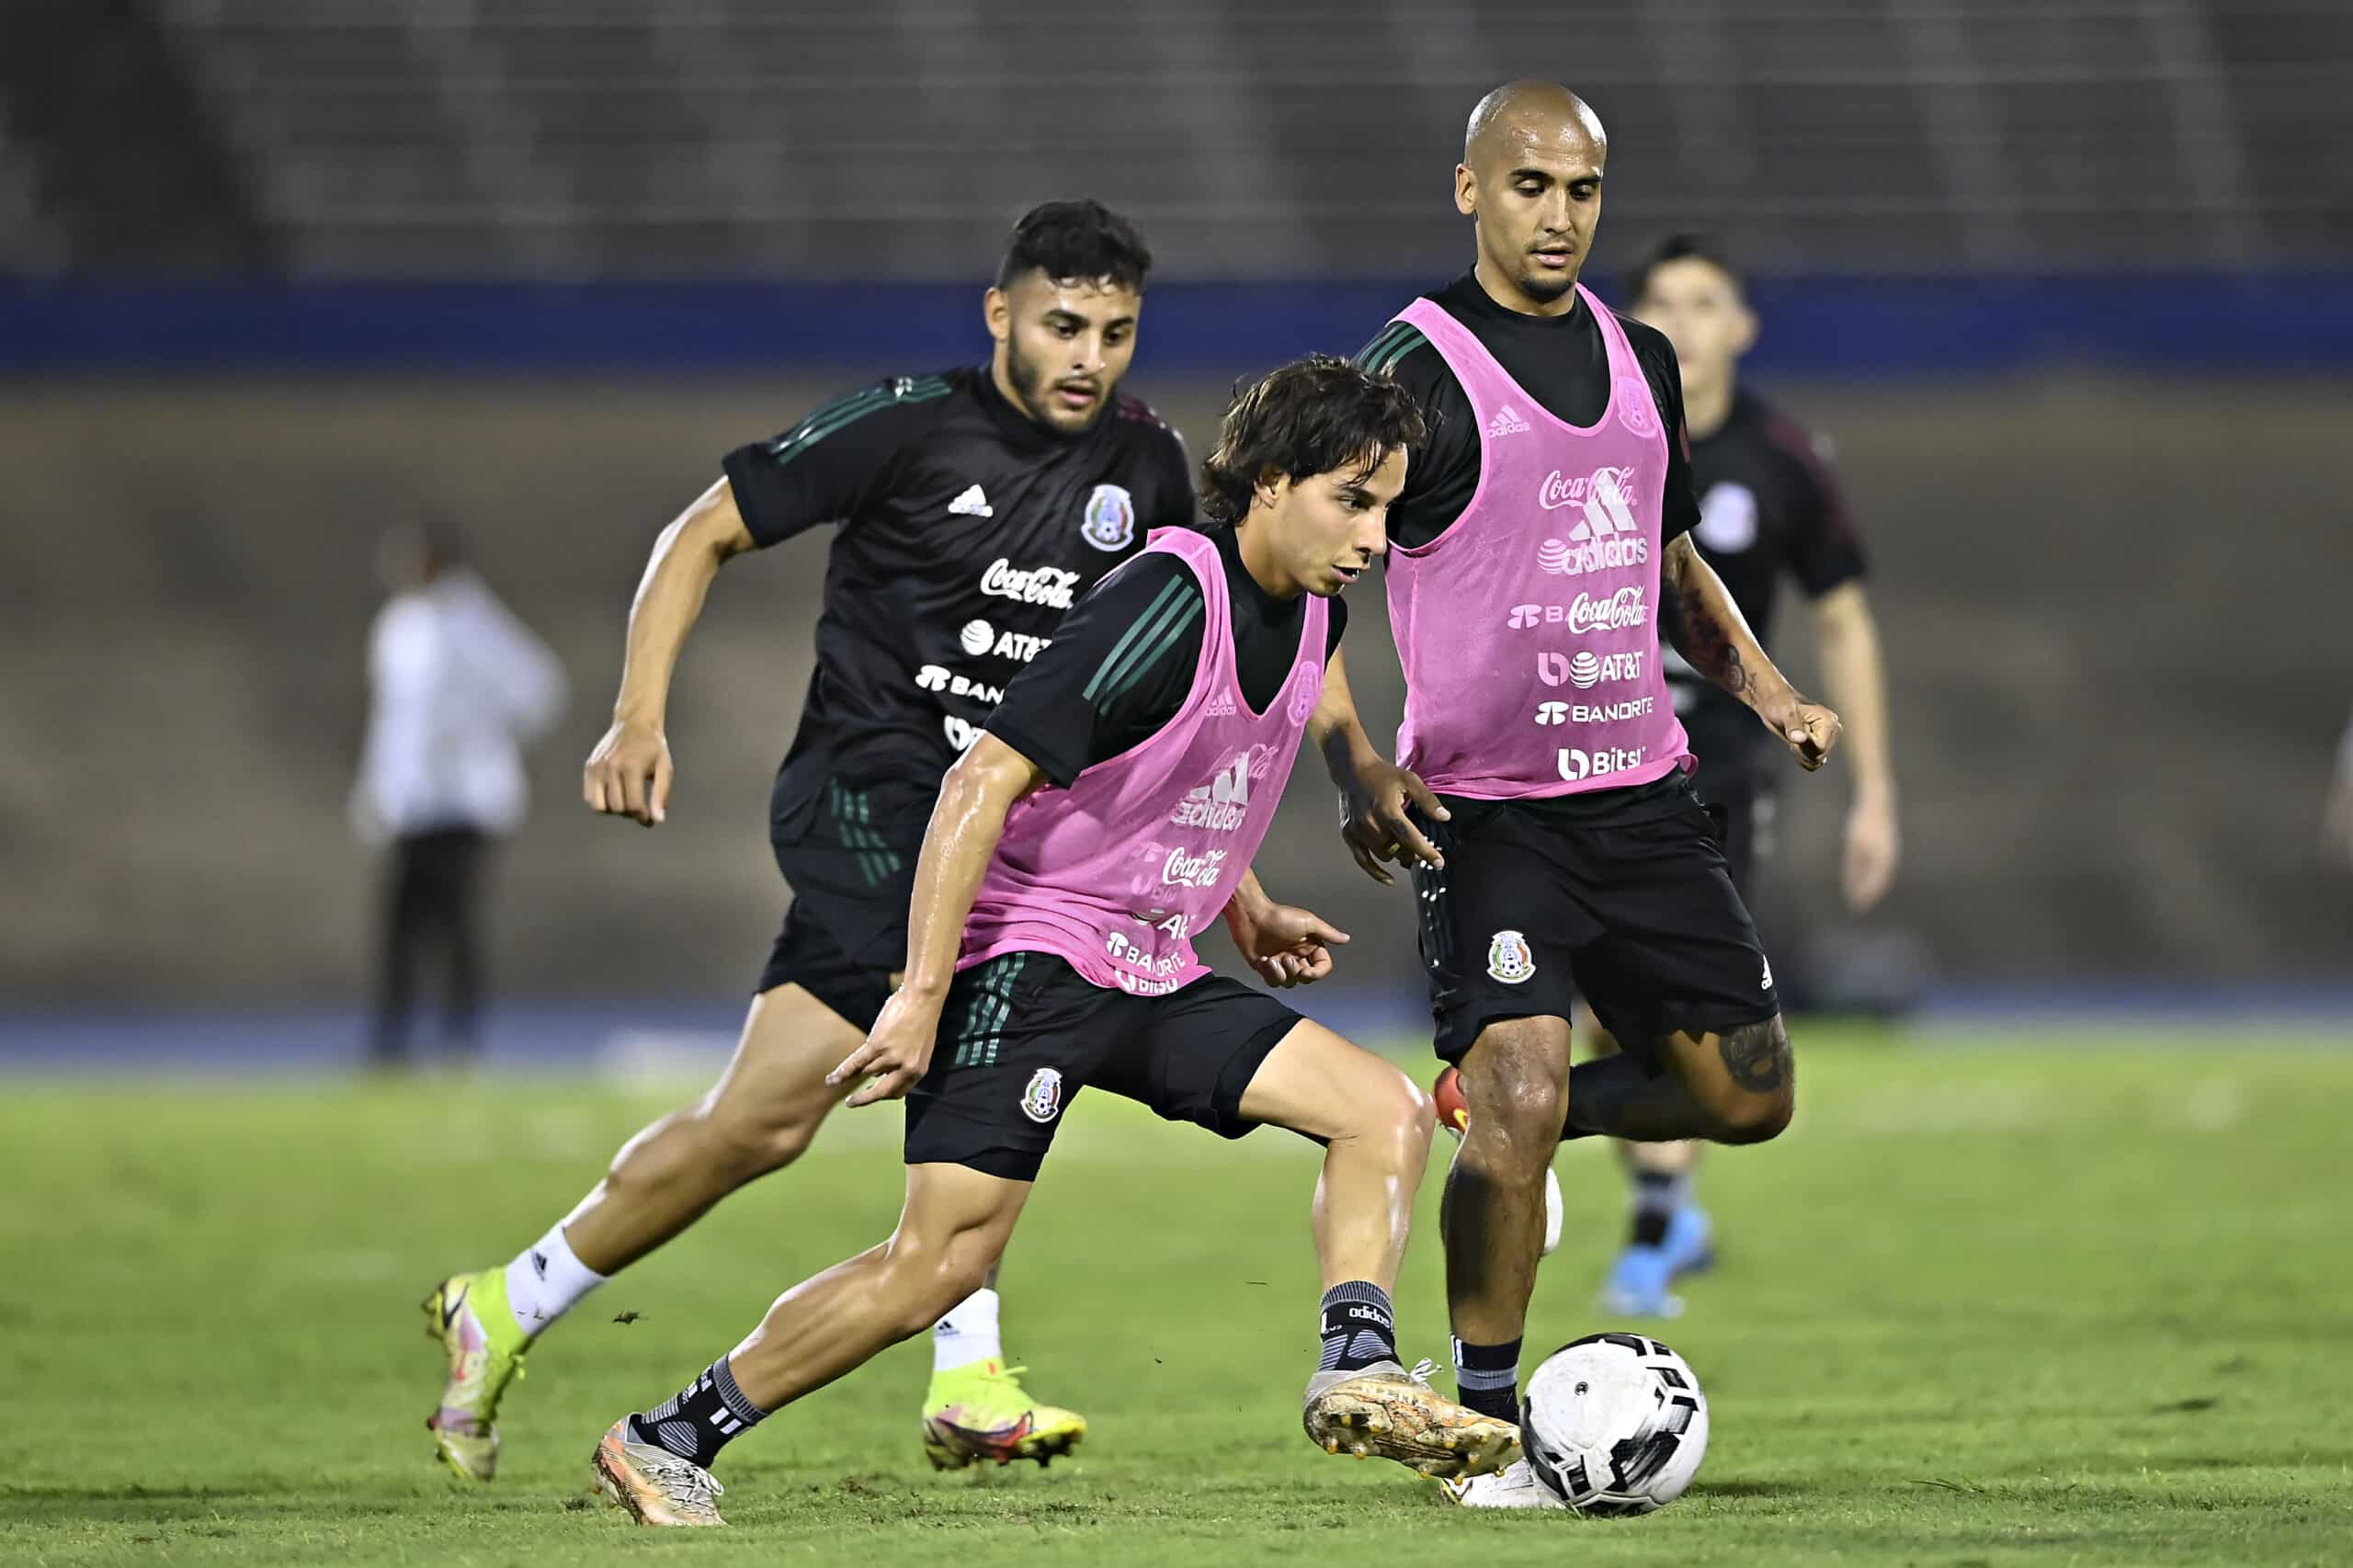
[[652, 1484], [1515, 1486], [1386, 1412]]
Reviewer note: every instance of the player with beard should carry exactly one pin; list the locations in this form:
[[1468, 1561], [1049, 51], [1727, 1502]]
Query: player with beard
[[1769, 508], [973, 507], [1111, 813], [1530, 554]]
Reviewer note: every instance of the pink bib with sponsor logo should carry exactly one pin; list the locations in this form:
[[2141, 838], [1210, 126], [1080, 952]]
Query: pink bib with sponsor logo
[[1116, 873], [1528, 629]]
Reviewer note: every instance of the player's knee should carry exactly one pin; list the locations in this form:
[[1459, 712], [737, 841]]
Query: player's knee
[[1518, 1104], [749, 1144], [1758, 1118], [1401, 1114]]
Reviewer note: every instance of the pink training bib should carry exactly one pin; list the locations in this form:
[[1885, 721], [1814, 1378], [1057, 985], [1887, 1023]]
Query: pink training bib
[[1118, 872], [1528, 629]]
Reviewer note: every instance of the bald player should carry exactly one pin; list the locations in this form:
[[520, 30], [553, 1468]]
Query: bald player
[[1532, 552]]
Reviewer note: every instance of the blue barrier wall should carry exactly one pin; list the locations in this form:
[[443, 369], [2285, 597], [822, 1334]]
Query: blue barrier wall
[[2275, 323]]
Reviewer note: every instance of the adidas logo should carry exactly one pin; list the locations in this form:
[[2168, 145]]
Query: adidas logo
[[1219, 707], [1506, 422], [972, 504]]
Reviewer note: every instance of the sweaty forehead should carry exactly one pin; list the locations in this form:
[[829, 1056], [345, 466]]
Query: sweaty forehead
[[1559, 146], [1096, 299]]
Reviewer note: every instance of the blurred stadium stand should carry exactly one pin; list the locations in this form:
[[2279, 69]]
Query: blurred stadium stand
[[2066, 281]]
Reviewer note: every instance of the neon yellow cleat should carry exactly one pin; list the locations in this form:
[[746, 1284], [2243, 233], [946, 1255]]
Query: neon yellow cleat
[[467, 1314], [980, 1412]]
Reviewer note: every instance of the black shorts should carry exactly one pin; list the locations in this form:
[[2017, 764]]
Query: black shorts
[[849, 855], [1629, 902], [1022, 1034], [1745, 812]]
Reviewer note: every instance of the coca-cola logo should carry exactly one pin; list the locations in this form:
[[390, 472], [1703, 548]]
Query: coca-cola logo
[[1183, 869], [1049, 586], [1601, 484], [1623, 608]]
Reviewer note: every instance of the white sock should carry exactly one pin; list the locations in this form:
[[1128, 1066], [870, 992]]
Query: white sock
[[968, 1334], [545, 1280]]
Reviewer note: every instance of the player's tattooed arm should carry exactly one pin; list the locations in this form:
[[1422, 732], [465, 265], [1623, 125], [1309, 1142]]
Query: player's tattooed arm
[[965, 826], [1709, 631]]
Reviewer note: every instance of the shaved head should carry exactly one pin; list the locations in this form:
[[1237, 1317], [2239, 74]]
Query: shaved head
[[1531, 181], [1528, 111]]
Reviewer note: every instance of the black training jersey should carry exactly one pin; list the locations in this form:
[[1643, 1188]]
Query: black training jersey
[[966, 530], [1124, 662], [1770, 507], [1561, 361]]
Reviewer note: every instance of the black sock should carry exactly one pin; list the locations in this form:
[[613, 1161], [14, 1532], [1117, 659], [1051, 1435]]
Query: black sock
[[1657, 1195], [1359, 1326], [696, 1422], [1486, 1378]]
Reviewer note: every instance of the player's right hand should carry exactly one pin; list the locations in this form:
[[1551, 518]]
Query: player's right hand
[[629, 773], [896, 1054], [1374, 822]]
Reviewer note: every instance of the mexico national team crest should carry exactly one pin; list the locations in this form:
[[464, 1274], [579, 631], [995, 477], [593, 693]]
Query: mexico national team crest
[[1634, 407], [1509, 958], [1042, 1101], [1110, 518]]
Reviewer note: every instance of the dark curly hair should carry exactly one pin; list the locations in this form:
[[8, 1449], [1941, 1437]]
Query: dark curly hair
[[1316, 415], [1075, 239]]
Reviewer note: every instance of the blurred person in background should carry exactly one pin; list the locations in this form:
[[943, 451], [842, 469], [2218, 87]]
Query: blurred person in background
[[1769, 508], [2337, 825], [456, 688], [975, 506]]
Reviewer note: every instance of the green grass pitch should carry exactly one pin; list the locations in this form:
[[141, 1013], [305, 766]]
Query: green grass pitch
[[2071, 1301]]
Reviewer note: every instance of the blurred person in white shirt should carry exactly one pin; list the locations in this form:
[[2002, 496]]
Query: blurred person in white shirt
[[457, 687]]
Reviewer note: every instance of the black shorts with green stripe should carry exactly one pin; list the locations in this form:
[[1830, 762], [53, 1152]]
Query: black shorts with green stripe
[[1022, 1033], [849, 853]]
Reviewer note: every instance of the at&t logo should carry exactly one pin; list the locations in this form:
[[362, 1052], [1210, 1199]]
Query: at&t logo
[[1585, 670]]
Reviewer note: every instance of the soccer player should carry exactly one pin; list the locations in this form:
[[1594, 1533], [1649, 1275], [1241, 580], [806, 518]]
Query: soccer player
[[1109, 813], [1769, 508], [975, 506], [1531, 553]]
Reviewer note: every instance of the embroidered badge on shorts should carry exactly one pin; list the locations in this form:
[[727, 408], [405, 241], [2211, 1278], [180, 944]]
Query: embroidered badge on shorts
[[1509, 958], [1042, 1101]]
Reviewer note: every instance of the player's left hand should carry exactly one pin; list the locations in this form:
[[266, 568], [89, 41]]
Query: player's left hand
[[896, 1054], [1811, 731], [1289, 945], [1374, 822], [1873, 846]]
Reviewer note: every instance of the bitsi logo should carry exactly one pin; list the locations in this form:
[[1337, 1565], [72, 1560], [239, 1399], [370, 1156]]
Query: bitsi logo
[[1577, 765], [1623, 608], [1110, 518], [1506, 422], [959, 733], [972, 504], [1509, 958], [1767, 984], [1041, 1101], [1552, 712]]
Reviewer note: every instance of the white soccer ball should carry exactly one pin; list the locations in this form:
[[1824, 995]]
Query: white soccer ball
[[1614, 1423]]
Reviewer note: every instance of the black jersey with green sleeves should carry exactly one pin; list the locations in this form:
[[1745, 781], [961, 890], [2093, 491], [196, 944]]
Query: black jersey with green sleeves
[[1124, 663], [965, 532]]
